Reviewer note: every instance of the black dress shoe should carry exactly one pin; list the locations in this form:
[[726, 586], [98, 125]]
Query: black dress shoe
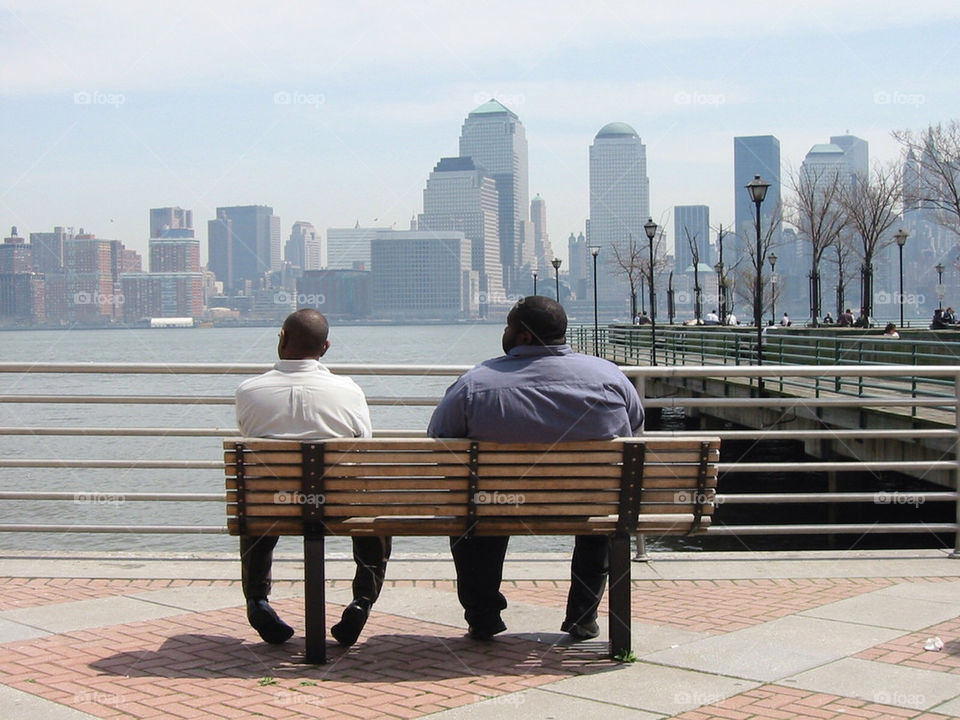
[[351, 623], [487, 630], [267, 623], [584, 630]]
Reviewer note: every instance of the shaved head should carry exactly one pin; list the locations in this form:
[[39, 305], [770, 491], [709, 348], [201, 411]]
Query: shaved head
[[304, 335], [535, 320]]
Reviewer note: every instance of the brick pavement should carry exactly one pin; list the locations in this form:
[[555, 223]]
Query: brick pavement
[[212, 665]]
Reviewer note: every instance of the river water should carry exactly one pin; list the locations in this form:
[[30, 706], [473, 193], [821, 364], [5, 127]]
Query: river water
[[101, 501]]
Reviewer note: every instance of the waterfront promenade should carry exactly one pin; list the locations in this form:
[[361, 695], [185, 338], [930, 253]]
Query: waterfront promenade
[[747, 635]]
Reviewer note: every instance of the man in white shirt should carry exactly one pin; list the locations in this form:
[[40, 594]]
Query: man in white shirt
[[711, 318], [732, 319], [300, 399]]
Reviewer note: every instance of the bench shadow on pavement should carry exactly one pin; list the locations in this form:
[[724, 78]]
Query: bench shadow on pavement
[[383, 657]]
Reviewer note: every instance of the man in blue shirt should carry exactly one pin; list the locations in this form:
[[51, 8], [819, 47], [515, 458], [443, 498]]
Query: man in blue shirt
[[540, 391]]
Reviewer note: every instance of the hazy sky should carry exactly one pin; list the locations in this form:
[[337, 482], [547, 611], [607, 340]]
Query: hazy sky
[[336, 112]]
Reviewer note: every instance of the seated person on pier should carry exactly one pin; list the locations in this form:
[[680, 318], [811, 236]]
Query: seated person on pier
[[846, 318], [890, 331], [828, 319], [300, 399], [539, 391], [711, 318]]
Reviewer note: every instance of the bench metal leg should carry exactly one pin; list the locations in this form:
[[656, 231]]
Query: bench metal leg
[[314, 600], [619, 595]]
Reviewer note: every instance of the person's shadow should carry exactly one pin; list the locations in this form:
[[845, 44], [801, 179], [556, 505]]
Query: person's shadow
[[398, 657]]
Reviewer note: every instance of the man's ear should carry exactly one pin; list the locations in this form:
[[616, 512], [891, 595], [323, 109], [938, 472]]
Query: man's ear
[[326, 346]]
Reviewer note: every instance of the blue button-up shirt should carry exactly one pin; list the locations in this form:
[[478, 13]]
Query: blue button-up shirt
[[539, 394]]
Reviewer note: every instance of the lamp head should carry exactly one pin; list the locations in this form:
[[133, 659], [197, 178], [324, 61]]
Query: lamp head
[[556, 263], [757, 189], [650, 228], [594, 250], [900, 236]]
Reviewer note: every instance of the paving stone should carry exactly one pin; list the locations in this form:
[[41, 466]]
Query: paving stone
[[653, 688], [82, 614], [541, 705], [776, 649], [16, 705], [881, 683], [888, 608]]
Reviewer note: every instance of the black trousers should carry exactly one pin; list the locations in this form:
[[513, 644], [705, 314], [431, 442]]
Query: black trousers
[[369, 553], [479, 564]]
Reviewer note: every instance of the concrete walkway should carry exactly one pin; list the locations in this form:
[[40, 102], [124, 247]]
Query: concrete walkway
[[717, 635]]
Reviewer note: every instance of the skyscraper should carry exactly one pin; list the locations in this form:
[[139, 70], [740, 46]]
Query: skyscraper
[[753, 155], [461, 196], [304, 249], [494, 137], [170, 218], [244, 244], [349, 248], [619, 205], [542, 249]]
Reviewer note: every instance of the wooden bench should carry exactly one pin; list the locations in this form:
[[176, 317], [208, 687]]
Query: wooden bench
[[426, 487]]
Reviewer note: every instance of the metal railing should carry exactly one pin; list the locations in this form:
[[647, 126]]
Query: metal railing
[[880, 388]]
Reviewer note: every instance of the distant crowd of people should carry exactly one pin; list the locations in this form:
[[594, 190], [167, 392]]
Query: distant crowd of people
[[944, 320]]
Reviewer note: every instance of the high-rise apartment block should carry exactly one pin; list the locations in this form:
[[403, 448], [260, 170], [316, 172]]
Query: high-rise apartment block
[[460, 196], [753, 155], [244, 244], [619, 205], [494, 137]]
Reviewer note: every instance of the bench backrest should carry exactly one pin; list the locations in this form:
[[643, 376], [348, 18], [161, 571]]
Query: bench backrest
[[392, 486]]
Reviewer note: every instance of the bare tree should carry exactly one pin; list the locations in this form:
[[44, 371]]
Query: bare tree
[[744, 273], [937, 185], [630, 264], [871, 204], [841, 258], [695, 256], [659, 259], [722, 277], [817, 212]]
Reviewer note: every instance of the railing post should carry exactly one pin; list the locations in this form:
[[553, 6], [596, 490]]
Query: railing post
[[956, 471]]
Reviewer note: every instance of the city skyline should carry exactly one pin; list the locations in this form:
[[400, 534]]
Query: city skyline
[[341, 134]]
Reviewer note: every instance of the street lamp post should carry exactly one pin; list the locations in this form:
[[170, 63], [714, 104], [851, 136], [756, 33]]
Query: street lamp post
[[901, 237], [758, 191], [595, 250], [773, 288], [719, 268], [650, 227], [556, 272], [939, 268], [534, 282]]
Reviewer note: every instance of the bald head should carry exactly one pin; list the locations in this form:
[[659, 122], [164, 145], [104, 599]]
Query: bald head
[[535, 320], [304, 335]]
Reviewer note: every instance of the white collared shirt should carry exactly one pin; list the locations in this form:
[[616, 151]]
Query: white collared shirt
[[302, 400]]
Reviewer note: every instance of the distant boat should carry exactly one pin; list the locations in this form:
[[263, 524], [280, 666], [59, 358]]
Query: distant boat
[[180, 322]]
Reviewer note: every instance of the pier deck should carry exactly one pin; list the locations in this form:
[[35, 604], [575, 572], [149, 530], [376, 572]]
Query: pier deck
[[748, 635]]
